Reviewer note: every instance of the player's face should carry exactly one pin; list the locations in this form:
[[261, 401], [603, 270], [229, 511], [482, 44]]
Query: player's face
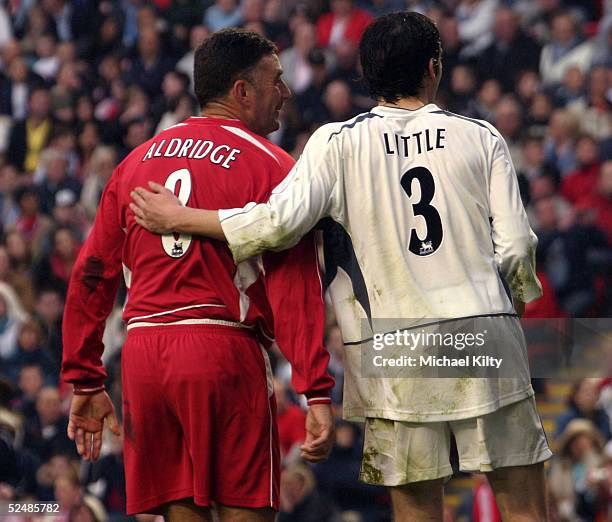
[[271, 93]]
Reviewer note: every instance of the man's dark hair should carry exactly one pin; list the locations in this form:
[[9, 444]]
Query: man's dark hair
[[225, 57], [395, 51]]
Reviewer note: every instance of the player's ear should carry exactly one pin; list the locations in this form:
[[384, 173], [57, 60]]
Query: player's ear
[[433, 68], [241, 91]]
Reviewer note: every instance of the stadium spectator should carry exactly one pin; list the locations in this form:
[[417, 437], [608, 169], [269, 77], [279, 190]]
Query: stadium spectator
[[593, 109], [223, 14], [309, 103], [476, 18], [582, 181], [174, 85], [55, 178], [68, 493], [345, 22], [599, 200], [511, 52], [185, 65], [509, 121], [297, 70], [583, 404], [54, 269], [570, 480], [540, 108], [14, 88], [149, 65], [570, 247], [47, 60], [19, 252], [338, 101], [34, 225], [603, 49], [565, 49], [300, 501], [31, 381], [9, 180], [12, 316], [483, 105], [101, 166], [29, 136], [88, 136], [18, 281], [562, 132], [462, 89], [571, 89], [534, 160], [49, 308], [452, 46], [31, 353], [179, 109], [46, 435]]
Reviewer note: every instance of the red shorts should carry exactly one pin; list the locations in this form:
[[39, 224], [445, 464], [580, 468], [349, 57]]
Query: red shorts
[[199, 418]]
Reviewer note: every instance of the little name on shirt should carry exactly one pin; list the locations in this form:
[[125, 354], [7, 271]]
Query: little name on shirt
[[417, 143], [222, 155]]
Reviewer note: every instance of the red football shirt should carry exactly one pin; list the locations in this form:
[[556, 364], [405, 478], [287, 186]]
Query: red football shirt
[[208, 163]]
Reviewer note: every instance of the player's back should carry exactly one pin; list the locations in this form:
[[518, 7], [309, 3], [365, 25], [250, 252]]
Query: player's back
[[207, 163], [416, 201]]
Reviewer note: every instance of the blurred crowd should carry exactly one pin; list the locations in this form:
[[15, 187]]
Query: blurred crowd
[[83, 82]]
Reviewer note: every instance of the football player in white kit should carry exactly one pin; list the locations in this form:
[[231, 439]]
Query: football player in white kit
[[425, 221]]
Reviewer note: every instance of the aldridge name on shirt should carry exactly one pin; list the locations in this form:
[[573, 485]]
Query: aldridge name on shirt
[[222, 155], [417, 143]]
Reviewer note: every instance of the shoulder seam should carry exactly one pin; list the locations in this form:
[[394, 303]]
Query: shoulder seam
[[471, 120], [358, 119], [249, 138]]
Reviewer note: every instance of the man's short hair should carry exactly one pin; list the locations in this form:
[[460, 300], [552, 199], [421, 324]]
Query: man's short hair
[[395, 51], [225, 57]]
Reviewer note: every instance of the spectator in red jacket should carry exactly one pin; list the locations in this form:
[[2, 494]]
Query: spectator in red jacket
[[583, 180], [344, 22], [599, 201]]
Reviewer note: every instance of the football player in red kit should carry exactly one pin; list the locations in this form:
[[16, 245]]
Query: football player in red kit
[[198, 406]]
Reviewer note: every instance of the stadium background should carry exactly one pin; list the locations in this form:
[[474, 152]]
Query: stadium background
[[83, 82]]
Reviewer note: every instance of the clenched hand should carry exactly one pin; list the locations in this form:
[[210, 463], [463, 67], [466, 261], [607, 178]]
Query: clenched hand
[[319, 433]]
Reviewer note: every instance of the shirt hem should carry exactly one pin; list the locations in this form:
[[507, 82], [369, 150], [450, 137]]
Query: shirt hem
[[359, 414]]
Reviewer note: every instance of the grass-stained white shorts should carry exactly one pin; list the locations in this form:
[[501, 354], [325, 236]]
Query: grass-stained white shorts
[[398, 452]]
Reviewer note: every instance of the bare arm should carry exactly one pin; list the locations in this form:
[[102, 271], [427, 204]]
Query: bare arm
[[308, 193]]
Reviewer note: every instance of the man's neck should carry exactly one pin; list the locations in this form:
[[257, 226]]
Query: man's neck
[[410, 103], [220, 110]]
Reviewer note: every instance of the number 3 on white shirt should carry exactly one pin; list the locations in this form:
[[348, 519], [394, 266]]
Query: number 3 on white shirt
[[176, 245]]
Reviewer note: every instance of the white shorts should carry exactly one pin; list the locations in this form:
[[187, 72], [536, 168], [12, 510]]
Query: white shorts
[[398, 452]]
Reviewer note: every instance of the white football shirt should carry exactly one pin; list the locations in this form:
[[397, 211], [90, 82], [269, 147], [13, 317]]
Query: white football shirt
[[425, 222]]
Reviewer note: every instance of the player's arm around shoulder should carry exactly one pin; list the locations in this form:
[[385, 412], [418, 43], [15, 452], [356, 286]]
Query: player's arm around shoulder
[[513, 239], [307, 194]]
